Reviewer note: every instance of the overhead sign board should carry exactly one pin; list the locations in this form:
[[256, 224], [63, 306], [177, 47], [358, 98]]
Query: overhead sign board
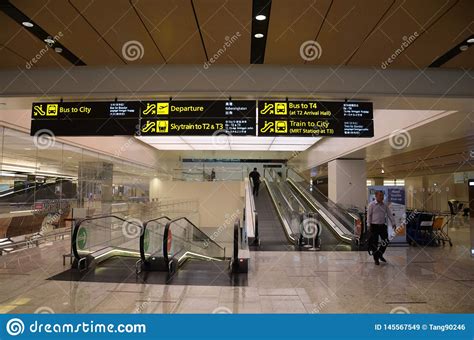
[[315, 118], [200, 118], [146, 118], [205, 118]]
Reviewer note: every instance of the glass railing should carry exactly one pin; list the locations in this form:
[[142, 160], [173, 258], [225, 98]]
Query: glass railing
[[345, 219], [183, 240], [98, 238]]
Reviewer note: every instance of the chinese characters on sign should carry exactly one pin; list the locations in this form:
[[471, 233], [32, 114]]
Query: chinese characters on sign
[[205, 118], [311, 118]]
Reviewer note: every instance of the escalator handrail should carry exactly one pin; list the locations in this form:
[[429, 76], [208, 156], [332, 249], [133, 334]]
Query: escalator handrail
[[166, 233], [78, 225], [142, 235], [236, 240]]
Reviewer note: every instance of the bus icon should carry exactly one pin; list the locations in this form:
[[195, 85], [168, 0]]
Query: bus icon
[[280, 108], [52, 110]]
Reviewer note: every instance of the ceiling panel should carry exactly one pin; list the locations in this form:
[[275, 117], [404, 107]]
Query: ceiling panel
[[24, 44], [291, 24], [450, 156], [443, 35], [79, 37], [226, 26], [183, 31], [118, 27], [399, 24], [346, 26], [173, 27], [9, 59], [462, 60]]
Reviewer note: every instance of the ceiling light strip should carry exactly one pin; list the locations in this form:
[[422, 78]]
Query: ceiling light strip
[[26, 23], [260, 8], [463, 46]]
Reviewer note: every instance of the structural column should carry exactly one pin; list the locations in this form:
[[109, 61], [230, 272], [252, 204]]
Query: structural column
[[347, 182]]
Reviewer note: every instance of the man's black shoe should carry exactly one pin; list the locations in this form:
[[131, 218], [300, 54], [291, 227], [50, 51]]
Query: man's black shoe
[[381, 258], [376, 260]]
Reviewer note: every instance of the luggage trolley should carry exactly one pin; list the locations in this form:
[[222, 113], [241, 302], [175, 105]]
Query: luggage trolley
[[439, 225]]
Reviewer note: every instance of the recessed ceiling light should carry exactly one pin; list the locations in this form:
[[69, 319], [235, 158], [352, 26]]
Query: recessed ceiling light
[[260, 17], [58, 49], [470, 41], [27, 24], [49, 41], [258, 35], [463, 47]]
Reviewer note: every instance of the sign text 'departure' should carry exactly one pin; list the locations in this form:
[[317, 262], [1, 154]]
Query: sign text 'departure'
[[205, 118]]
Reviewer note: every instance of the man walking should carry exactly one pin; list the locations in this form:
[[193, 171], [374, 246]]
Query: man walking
[[377, 212], [255, 177]]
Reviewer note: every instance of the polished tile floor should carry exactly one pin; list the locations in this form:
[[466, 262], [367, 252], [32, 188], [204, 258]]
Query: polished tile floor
[[415, 280]]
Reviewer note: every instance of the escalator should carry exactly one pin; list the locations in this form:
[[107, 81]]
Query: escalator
[[345, 222], [167, 244], [308, 225], [112, 249], [326, 239], [98, 239], [39, 191], [271, 231]]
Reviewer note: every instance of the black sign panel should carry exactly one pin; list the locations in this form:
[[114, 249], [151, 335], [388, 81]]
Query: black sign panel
[[85, 110], [204, 118], [150, 118], [314, 118], [199, 118]]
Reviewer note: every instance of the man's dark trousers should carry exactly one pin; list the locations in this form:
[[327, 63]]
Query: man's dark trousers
[[256, 186], [377, 230]]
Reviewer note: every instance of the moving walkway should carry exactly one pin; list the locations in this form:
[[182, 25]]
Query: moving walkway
[[346, 223], [160, 244], [310, 221], [97, 239]]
